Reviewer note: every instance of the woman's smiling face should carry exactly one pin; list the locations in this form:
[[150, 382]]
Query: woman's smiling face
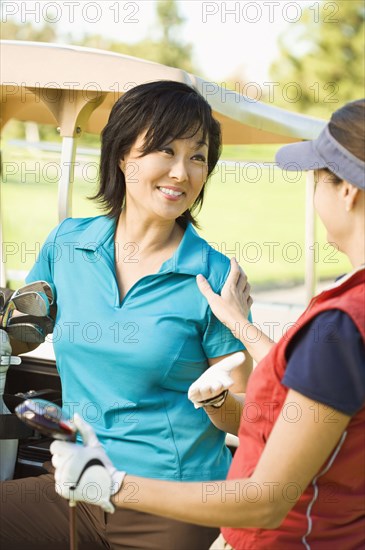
[[165, 183]]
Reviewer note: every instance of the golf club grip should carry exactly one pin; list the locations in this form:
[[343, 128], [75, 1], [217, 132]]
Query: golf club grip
[[73, 526]]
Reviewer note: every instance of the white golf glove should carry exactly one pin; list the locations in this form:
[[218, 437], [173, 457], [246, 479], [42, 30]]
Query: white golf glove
[[214, 381], [6, 359], [84, 472]]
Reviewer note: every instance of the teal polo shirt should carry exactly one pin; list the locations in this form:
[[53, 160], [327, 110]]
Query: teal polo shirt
[[126, 367]]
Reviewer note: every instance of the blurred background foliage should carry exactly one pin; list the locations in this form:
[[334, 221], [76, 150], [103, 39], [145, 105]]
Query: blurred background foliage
[[168, 49], [326, 58]]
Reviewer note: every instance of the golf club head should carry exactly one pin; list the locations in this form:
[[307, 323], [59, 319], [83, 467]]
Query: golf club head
[[3, 301], [7, 313], [32, 303], [42, 287], [47, 418], [26, 332]]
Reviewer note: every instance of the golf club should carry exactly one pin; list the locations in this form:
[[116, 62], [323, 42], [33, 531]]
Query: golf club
[[32, 302], [5, 295], [26, 312], [47, 418], [29, 303], [26, 332], [41, 287], [32, 299]]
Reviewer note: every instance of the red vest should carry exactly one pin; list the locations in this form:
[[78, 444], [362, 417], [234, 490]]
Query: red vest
[[333, 518]]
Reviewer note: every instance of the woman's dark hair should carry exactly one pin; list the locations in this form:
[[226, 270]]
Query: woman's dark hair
[[168, 110], [347, 126]]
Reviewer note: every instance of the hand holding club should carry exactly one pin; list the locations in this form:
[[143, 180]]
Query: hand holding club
[[84, 472]]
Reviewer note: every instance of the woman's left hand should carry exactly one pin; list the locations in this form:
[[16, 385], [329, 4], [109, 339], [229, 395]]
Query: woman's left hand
[[84, 472]]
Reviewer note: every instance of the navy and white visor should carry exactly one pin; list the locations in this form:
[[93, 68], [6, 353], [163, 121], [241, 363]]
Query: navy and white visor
[[323, 152]]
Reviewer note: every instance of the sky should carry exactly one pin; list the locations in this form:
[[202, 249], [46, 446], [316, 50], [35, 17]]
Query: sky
[[229, 38]]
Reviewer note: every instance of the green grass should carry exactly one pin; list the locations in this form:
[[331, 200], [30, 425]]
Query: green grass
[[260, 222]]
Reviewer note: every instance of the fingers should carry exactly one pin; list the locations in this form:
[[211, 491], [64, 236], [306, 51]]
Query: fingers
[[243, 284], [207, 390], [234, 273], [215, 379], [87, 433], [247, 288], [58, 447], [246, 296], [246, 292], [236, 281], [61, 451], [239, 277], [230, 362], [204, 287], [244, 287], [224, 383], [205, 393], [57, 461]]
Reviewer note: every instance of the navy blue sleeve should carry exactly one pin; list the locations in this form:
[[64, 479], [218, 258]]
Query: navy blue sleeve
[[326, 362]]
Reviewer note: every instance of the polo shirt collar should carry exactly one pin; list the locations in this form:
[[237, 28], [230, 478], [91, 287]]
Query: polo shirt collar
[[190, 257], [97, 233]]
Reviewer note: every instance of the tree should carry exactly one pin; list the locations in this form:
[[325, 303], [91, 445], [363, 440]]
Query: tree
[[321, 64], [172, 52], [168, 50], [10, 30]]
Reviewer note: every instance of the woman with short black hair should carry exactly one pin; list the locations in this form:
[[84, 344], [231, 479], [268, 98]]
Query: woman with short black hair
[[132, 329]]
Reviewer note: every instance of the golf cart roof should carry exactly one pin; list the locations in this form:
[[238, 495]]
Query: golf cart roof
[[75, 88]]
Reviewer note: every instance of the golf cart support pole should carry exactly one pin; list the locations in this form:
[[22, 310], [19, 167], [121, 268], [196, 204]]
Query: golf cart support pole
[[67, 177], [72, 109], [310, 230]]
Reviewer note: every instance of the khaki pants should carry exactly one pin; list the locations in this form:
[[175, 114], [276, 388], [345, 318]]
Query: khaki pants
[[34, 517], [220, 544]]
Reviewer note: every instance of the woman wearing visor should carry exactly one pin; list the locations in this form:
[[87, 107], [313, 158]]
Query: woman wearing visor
[[297, 478]]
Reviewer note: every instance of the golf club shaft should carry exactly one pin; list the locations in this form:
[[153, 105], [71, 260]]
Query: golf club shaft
[[73, 526]]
